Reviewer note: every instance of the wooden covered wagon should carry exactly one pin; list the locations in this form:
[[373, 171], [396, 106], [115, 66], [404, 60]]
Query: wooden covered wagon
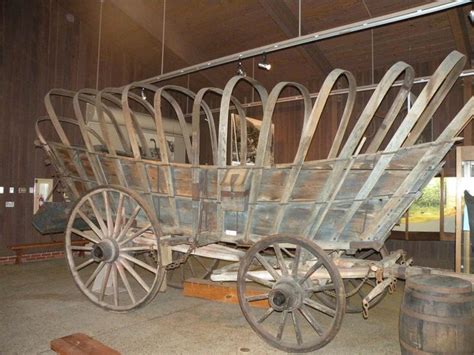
[[299, 233]]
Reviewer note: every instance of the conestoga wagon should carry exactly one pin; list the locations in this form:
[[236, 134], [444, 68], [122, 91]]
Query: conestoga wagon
[[300, 233]]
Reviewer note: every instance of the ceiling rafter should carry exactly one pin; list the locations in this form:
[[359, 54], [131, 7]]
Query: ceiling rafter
[[288, 23], [140, 13], [460, 33]]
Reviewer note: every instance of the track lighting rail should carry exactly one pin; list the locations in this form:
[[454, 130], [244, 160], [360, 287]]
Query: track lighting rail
[[374, 22]]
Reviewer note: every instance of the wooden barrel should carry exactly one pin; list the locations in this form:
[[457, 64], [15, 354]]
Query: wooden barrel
[[437, 316]]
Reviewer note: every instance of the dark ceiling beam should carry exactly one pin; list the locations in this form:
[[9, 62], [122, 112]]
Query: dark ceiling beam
[[139, 11], [460, 33], [288, 23]]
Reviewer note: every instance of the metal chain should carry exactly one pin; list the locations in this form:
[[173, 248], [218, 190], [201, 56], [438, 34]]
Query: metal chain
[[365, 310], [178, 262], [354, 291]]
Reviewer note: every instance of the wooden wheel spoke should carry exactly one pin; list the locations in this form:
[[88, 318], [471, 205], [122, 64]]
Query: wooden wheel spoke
[[115, 284], [98, 216], [138, 262], [263, 296], [281, 327], [94, 274], [299, 336], [104, 282], [259, 280], [311, 271], [124, 279], [92, 225], [137, 277], [319, 307], [118, 217], [108, 213], [84, 264], [267, 266], [265, 315], [281, 260], [135, 235], [311, 320], [320, 288], [129, 223], [144, 247], [296, 261], [81, 248], [85, 236]]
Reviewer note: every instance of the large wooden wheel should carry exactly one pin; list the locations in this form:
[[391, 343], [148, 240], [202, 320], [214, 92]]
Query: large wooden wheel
[[196, 267], [120, 229], [289, 271], [357, 289]]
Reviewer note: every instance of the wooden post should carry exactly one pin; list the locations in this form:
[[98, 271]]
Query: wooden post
[[407, 231], [468, 133], [441, 206], [458, 208]]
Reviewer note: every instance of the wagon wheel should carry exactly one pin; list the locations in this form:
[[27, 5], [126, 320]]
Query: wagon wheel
[[281, 310], [357, 289], [196, 267], [119, 227]]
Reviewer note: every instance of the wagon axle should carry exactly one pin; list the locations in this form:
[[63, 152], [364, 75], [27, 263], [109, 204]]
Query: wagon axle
[[107, 250], [286, 295]]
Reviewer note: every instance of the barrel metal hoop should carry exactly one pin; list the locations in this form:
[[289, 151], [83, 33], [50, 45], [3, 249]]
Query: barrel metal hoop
[[438, 289], [444, 299], [437, 319], [412, 349]]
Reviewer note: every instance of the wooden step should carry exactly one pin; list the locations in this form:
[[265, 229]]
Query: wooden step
[[219, 292], [80, 344]]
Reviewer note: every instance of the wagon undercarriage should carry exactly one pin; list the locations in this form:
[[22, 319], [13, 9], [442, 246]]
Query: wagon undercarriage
[[304, 241]]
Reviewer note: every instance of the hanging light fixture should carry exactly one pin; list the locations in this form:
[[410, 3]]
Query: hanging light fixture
[[143, 94], [263, 64], [240, 69]]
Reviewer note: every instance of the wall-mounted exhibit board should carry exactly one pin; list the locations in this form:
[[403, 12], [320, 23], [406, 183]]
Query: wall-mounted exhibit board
[[434, 211], [173, 132], [464, 209]]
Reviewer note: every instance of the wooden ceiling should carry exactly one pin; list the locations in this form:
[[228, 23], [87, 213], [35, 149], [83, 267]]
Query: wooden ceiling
[[201, 30]]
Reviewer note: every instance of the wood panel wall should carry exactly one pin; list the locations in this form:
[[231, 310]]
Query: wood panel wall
[[42, 46], [46, 44]]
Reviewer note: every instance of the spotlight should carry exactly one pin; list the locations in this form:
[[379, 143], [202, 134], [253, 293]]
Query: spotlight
[[240, 69], [264, 65], [471, 16]]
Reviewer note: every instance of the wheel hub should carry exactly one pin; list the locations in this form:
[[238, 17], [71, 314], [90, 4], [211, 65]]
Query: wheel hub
[[107, 250], [286, 295]]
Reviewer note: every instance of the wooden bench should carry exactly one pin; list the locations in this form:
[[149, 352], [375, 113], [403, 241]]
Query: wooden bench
[[80, 344], [20, 248]]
